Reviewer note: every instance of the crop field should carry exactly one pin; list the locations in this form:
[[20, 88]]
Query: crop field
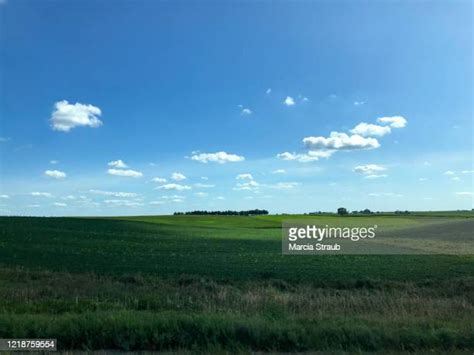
[[221, 283]]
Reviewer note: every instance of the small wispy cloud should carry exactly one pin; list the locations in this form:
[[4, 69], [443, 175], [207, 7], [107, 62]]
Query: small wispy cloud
[[176, 187], [178, 177], [289, 101], [55, 174], [125, 173], [218, 157], [119, 164]]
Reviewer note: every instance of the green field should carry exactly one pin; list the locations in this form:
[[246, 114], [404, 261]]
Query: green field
[[221, 283]]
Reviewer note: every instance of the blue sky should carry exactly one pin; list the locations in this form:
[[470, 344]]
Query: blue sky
[[103, 100]]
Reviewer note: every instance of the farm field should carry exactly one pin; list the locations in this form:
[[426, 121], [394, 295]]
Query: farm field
[[214, 283]]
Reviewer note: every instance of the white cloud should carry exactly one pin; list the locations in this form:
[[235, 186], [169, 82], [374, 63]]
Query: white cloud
[[248, 186], [359, 103], [394, 121], [55, 174], [159, 180], [201, 194], [156, 202], [60, 204], [340, 141], [126, 173], [422, 179], [204, 186], [41, 194], [178, 177], [176, 187], [218, 157], [122, 203], [69, 197], [375, 176], [289, 101], [244, 176], [112, 193], [119, 164], [33, 206], [279, 171], [67, 116], [246, 112], [465, 193], [467, 171], [269, 91], [455, 178], [368, 129], [449, 173], [284, 185], [220, 197], [173, 197], [368, 169], [312, 155], [204, 178], [53, 162], [4, 197]]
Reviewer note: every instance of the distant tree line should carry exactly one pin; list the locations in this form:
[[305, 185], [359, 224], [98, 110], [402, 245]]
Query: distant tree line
[[343, 211], [223, 213]]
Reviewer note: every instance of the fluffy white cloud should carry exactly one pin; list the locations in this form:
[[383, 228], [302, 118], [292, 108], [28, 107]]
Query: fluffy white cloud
[[126, 173], [60, 204], [244, 176], [289, 101], [368, 129], [53, 162], [220, 198], [394, 121], [176, 187], [340, 141], [201, 194], [113, 193], [368, 169], [467, 171], [359, 103], [312, 155], [55, 174], [449, 173], [66, 116], [119, 164], [4, 197], [178, 177], [246, 112], [219, 157], [41, 194], [159, 180], [248, 186], [279, 171]]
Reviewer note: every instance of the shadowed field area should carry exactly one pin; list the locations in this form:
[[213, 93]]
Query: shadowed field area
[[221, 283]]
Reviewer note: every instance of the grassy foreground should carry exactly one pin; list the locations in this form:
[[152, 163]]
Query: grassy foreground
[[221, 283]]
